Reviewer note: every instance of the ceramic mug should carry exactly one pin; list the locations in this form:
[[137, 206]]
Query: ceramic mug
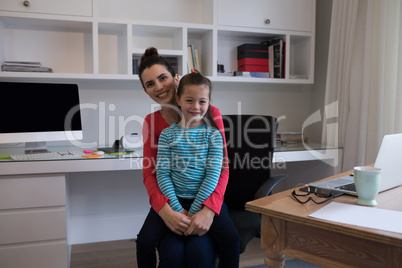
[[367, 182]]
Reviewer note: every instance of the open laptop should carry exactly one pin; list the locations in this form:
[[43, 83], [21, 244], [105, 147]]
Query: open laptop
[[389, 158]]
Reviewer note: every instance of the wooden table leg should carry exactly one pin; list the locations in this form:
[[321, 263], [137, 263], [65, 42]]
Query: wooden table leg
[[273, 241]]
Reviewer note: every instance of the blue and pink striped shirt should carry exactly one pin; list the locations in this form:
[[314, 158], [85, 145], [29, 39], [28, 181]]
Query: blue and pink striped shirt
[[189, 163]]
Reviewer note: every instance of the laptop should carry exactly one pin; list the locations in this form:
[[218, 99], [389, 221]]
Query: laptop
[[389, 159]]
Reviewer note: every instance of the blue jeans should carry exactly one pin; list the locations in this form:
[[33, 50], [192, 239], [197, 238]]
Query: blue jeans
[[188, 251]]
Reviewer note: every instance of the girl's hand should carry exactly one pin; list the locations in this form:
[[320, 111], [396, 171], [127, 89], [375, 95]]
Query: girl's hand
[[200, 222], [176, 221], [185, 212]]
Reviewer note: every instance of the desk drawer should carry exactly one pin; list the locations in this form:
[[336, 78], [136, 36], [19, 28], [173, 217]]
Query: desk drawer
[[30, 226], [57, 7], [32, 191], [35, 256]]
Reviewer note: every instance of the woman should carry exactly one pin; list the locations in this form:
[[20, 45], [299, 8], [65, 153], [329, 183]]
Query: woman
[[160, 81]]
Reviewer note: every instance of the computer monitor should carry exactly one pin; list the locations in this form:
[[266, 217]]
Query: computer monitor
[[35, 113]]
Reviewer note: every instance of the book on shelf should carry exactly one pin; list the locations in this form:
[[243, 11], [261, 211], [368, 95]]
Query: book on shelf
[[190, 62], [276, 57], [290, 137], [23, 63], [251, 74], [136, 64], [284, 60], [271, 61], [194, 57], [24, 66], [198, 60]]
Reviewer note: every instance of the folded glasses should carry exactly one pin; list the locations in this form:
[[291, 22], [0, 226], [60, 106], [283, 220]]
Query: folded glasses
[[301, 194]]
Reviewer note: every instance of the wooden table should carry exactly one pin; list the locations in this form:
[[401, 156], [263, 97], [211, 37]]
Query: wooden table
[[286, 229]]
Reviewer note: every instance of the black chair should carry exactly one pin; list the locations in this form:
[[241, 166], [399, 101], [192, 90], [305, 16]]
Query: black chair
[[250, 143]]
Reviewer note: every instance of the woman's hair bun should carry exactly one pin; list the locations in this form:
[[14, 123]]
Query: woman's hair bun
[[149, 52]]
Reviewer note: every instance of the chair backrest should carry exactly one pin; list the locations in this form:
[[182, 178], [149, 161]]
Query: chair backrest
[[250, 143]]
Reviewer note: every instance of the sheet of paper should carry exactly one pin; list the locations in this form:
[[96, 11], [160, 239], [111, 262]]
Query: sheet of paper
[[371, 217]]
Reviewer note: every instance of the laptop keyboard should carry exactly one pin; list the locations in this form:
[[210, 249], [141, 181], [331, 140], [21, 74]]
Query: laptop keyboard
[[347, 187]]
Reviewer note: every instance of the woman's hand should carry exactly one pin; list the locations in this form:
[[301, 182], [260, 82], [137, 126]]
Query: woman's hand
[[201, 222], [176, 221]]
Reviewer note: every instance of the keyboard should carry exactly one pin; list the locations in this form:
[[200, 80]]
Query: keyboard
[[348, 187], [48, 156]]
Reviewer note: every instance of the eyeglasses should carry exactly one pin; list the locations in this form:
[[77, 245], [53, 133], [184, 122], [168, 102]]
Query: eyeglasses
[[302, 194]]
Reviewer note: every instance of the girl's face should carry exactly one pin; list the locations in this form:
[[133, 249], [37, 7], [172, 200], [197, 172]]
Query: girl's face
[[159, 84], [194, 103]]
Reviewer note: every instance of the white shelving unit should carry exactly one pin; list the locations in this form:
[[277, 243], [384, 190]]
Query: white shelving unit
[[97, 39]]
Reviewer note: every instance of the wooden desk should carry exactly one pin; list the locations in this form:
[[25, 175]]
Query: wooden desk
[[288, 230]]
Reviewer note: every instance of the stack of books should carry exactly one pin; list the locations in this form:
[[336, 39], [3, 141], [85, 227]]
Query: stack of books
[[266, 57], [24, 66], [252, 58]]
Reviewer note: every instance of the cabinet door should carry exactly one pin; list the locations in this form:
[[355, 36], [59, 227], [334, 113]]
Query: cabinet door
[[32, 226], [59, 7], [32, 191], [297, 15], [47, 254]]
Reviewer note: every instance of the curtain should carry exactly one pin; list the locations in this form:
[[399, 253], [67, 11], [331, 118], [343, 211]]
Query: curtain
[[363, 87]]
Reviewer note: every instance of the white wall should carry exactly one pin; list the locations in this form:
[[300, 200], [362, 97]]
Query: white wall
[[113, 101], [323, 17]]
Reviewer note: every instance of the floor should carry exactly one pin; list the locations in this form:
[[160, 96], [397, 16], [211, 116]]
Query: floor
[[121, 254]]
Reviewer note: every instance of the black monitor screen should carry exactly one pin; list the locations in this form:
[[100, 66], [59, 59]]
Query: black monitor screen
[[38, 107]]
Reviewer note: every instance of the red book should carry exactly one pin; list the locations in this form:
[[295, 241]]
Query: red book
[[252, 61], [253, 68]]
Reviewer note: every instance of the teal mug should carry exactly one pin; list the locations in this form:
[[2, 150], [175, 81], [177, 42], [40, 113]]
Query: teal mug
[[367, 182]]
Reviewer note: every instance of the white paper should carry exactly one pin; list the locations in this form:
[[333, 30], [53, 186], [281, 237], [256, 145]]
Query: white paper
[[376, 218]]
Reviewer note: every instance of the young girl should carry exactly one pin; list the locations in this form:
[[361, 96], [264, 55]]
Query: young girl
[[189, 162]]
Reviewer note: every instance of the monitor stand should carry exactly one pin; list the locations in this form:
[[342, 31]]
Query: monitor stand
[[35, 147]]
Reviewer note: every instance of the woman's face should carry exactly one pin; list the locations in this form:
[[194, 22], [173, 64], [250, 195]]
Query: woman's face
[[159, 84]]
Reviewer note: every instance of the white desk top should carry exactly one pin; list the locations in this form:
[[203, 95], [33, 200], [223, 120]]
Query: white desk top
[[288, 153], [108, 163]]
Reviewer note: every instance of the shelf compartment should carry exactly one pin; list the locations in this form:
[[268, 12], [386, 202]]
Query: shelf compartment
[[113, 48], [202, 39], [161, 37], [64, 46], [300, 50], [228, 41], [175, 58]]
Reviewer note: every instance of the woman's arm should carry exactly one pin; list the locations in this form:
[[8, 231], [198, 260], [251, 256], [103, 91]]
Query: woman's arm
[[156, 198], [176, 221]]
